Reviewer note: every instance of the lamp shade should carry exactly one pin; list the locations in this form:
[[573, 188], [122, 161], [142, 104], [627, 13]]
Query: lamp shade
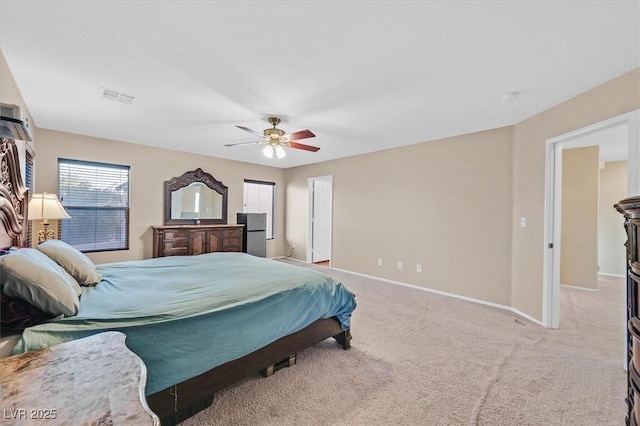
[[46, 206], [268, 151], [280, 152]]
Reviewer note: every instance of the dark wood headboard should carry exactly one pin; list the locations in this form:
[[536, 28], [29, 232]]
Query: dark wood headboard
[[13, 196]]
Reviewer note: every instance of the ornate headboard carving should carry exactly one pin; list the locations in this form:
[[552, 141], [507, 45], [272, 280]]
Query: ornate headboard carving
[[13, 196]]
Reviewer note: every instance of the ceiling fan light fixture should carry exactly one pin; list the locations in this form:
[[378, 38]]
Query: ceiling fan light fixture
[[280, 152], [276, 139]]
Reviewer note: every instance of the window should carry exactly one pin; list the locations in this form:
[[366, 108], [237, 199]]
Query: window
[[96, 196], [259, 198]]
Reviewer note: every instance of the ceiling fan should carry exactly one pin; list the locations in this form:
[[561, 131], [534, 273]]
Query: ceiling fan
[[276, 139]]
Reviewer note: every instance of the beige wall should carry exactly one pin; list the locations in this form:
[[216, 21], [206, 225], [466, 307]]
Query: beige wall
[[150, 168], [10, 94], [611, 235], [579, 240], [616, 97], [445, 205], [374, 222]]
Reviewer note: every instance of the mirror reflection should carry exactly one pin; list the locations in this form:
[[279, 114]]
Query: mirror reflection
[[196, 201], [195, 198]]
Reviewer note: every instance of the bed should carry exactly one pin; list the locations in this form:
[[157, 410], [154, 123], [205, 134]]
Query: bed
[[200, 323]]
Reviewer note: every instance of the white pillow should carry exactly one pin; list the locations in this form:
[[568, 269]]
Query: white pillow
[[76, 263], [31, 276]]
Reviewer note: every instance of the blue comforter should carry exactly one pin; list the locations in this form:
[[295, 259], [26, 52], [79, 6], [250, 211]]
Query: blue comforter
[[184, 315]]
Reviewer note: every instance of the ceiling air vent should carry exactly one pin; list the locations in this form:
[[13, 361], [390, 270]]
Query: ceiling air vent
[[115, 95]]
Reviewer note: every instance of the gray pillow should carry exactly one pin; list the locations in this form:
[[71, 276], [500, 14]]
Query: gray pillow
[[76, 263], [29, 275]]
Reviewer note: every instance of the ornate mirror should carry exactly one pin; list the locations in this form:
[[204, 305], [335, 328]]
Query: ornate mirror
[[197, 198]]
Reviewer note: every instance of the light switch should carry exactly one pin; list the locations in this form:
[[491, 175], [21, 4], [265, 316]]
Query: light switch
[[523, 222]]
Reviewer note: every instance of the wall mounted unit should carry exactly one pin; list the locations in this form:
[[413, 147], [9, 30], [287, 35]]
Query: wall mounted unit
[[13, 124]]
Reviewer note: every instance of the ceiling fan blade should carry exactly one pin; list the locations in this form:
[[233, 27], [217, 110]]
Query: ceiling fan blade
[[303, 146], [244, 143], [253, 132], [302, 134]]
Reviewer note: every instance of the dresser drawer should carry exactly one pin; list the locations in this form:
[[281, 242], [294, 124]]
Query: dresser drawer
[[175, 235], [231, 233], [229, 243], [177, 245], [175, 252]]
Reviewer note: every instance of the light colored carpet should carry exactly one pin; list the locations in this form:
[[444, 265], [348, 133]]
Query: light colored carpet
[[424, 359]]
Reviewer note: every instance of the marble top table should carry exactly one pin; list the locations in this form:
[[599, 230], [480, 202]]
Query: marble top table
[[92, 381]]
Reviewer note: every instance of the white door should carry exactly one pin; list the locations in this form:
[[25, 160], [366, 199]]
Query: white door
[[321, 221], [553, 202]]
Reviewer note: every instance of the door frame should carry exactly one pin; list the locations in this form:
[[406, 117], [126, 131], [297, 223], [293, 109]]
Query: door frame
[[310, 196], [553, 201]]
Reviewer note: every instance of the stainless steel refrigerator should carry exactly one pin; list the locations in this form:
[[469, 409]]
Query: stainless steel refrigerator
[[254, 235]]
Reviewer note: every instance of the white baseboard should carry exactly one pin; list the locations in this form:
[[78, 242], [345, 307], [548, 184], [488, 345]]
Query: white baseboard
[[294, 259], [612, 275], [575, 287], [444, 293]]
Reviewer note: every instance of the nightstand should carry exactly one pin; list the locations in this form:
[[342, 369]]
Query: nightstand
[[96, 380]]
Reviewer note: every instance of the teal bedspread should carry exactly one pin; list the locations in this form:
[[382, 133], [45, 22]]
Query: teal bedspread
[[184, 315]]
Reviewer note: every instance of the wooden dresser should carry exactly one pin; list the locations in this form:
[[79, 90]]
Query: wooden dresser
[[92, 381], [186, 240], [630, 208]]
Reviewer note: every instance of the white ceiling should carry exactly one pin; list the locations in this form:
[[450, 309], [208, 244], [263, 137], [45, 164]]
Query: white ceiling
[[363, 76]]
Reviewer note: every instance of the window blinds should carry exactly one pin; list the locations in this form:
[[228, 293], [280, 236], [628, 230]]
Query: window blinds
[[96, 196], [259, 198]]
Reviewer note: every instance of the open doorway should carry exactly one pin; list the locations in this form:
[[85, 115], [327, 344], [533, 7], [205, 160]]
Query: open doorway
[[625, 126], [319, 234]]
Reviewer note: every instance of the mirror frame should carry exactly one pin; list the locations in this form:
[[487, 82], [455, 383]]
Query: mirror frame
[[185, 180]]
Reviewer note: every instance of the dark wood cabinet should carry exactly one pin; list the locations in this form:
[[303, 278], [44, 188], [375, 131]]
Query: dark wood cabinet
[[630, 208], [187, 240]]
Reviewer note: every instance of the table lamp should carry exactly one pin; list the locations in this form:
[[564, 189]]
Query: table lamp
[[46, 207]]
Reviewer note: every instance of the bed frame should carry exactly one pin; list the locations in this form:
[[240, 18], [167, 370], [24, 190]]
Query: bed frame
[[180, 401], [183, 400]]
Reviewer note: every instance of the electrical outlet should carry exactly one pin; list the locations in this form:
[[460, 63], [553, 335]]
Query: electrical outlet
[[399, 264], [523, 222], [419, 268], [380, 262]]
